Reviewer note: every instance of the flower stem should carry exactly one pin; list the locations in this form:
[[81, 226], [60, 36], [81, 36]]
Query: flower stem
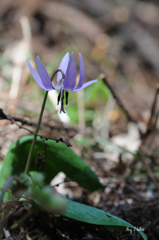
[[35, 136], [39, 122]]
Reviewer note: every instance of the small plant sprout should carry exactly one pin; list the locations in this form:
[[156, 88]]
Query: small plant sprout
[[67, 69]]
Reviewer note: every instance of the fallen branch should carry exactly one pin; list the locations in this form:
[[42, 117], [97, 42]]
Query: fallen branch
[[103, 77], [3, 116]]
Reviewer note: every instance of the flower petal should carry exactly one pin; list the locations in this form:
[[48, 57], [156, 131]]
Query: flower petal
[[85, 85], [70, 76], [82, 73], [35, 75], [44, 75], [63, 66]]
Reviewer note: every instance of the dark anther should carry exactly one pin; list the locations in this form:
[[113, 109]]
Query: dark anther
[[66, 97], [58, 99], [62, 107]]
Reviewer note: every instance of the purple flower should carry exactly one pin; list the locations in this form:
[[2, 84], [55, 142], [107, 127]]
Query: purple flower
[[66, 77]]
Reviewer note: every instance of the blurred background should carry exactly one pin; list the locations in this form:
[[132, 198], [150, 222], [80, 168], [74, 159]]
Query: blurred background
[[119, 42], [117, 38]]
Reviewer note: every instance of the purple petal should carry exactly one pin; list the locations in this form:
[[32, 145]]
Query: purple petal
[[44, 75], [70, 76], [85, 85], [63, 66], [35, 75], [82, 73]]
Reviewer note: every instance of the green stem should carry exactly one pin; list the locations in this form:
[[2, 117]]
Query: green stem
[[39, 122], [25, 217], [35, 136]]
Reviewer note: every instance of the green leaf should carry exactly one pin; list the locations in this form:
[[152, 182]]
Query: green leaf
[[87, 214], [58, 158]]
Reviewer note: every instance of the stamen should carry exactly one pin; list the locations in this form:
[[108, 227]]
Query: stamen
[[60, 83], [66, 97], [62, 106], [59, 96]]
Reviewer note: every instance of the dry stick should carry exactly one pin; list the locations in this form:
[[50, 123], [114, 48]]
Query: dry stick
[[153, 107], [65, 181], [153, 131], [32, 124], [22, 121], [150, 126], [3, 116], [41, 136], [154, 104], [102, 76], [149, 172]]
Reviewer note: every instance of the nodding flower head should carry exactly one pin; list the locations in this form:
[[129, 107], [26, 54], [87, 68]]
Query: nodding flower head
[[66, 77]]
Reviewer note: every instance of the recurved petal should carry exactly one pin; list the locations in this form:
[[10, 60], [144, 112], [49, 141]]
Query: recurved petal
[[70, 76], [35, 75], [82, 73], [44, 75], [85, 85], [63, 66]]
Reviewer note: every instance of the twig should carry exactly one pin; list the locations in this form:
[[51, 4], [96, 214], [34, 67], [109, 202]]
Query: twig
[[153, 131], [148, 169], [65, 181], [23, 121], [153, 107], [32, 124], [41, 136], [3, 116], [102, 76], [155, 123], [154, 104]]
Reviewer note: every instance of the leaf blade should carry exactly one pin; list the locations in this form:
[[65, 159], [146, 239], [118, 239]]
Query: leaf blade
[[88, 214], [58, 158]]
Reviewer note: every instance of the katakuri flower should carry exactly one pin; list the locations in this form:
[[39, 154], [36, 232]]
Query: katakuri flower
[[66, 77]]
